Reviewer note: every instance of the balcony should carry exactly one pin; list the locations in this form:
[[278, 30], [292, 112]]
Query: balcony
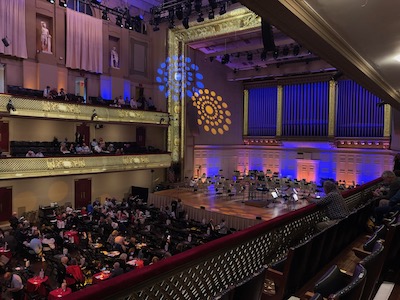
[[41, 108], [12, 168]]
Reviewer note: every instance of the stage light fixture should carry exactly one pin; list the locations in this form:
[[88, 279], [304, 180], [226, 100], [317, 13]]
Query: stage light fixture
[[118, 21], [285, 51], [200, 18], [197, 5], [179, 13], [104, 15], [211, 14], [5, 41], [225, 59], [263, 55], [249, 56], [128, 23], [94, 115], [296, 50], [137, 22], [51, 1], [222, 9], [276, 53], [185, 22], [62, 3]]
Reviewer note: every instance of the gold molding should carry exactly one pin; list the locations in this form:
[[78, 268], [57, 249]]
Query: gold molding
[[387, 121], [26, 107], [279, 110], [240, 19], [331, 108], [15, 168], [245, 112]]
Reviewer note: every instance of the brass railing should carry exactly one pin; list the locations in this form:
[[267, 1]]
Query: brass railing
[[11, 168], [214, 268]]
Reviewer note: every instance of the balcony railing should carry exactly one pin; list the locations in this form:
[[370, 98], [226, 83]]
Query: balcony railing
[[11, 168], [214, 268], [40, 108]]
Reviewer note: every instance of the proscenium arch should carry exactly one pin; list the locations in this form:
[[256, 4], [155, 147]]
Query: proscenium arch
[[237, 20]]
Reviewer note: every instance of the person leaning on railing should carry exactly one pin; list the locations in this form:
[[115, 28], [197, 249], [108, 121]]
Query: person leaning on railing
[[333, 203]]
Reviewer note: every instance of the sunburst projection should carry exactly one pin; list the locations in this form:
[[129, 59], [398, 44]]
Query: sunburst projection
[[213, 113]]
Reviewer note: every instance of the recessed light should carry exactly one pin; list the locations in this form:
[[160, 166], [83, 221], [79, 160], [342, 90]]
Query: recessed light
[[397, 57]]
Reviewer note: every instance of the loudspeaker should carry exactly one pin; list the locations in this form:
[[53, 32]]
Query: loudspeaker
[[267, 36], [5, 42]]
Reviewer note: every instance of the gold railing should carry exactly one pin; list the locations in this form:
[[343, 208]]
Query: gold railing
[[212, 269], [35, 108], [11, 168]]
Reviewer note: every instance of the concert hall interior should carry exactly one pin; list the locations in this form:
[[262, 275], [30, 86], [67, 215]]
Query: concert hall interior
[[205, 135]]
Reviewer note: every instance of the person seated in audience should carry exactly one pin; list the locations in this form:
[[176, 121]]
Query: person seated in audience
[[150, 104], [30, 153], [119, 244], [35, 244], [122, 262], [46, 93], [141, 102], [64, 149], [333, 203], [62, 95], [96, 203], [11, 241], [117, 270], [39, 153], [14, 286], [391, 201], [133, 104], [154, 260], [111, 238], [14, 221], [49, 241], [393, 186], [74, 273], [94, 143], [111, 148], [85, 149], [121, 101], [222, 228]]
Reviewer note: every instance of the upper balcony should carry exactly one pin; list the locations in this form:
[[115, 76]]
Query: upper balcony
[[41, 108]]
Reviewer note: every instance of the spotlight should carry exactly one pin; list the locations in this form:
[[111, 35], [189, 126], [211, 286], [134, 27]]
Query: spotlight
[[128, 23], [225, 59], [276, 53], [249, 56], [10, 106], [5, 41], [264, 55], [179, 13], [185, 23], [200, 18], [118, 21], [94, 115], [104, 15], [197, 5], [222, 9], [211, 14], [285, 51], [51, 1], [63, 3], [296, 50], [138, 23]]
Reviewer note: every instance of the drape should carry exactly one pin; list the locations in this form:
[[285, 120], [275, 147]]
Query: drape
[[84, 42], [12, 26]]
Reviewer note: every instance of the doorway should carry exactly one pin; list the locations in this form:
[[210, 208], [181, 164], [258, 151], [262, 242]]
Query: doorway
[[83, 192], [4, 137], [2, 78], [81, 87], [83, 134], [5, 203]]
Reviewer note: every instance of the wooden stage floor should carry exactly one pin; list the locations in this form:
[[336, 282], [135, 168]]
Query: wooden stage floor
[[237, 205]]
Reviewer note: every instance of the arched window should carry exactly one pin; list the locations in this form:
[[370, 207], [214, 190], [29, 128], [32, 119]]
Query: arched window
[[81, 6]]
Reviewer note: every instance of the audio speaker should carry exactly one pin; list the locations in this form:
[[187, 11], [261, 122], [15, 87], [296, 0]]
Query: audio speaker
[[267, 36], [5, 42]]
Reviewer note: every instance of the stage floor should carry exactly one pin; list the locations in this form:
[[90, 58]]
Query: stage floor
[[237, 205]]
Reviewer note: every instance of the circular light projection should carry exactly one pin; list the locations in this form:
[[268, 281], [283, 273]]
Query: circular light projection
[[212, 111], [182, 72]]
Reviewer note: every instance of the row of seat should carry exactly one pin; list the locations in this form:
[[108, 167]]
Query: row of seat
[[305, 260]]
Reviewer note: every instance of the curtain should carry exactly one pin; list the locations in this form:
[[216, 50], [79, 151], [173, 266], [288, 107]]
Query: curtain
[[12, 26], [84, 42]]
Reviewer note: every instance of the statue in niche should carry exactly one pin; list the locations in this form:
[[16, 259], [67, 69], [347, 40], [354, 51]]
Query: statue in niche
[[45, 38], [114, 58]]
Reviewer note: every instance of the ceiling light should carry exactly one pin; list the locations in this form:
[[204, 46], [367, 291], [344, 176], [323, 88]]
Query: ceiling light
[[63, 3], [51, 1], [276, 53]]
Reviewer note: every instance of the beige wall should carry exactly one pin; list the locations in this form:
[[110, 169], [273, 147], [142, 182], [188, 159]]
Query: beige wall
[[30, 193]]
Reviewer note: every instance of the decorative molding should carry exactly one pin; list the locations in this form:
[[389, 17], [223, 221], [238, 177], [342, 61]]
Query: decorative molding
[[14, 168], [363, 143]]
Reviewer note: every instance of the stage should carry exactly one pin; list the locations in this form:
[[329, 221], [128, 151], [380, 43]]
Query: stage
[[239, 210]]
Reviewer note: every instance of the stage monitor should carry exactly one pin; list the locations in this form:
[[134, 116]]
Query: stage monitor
[[142, 192]]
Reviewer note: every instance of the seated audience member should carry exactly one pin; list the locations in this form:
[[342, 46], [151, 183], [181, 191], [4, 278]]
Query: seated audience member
[[93, 143], [111, 237], [14, 286], [30, 153], [117, 270], [222, 229], [393, 183], [14, 220], [78, 149], [35, 244], [74, 272], [46, 93], [62, 95], [154, 260], [391, 201], [85, 149], [11, 241], [62, 270], [119, 244], [333, 204], [49, 241], [64, 149], [39, 154], [121, 101], [111, 148], [133, 104], [150, 104]]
